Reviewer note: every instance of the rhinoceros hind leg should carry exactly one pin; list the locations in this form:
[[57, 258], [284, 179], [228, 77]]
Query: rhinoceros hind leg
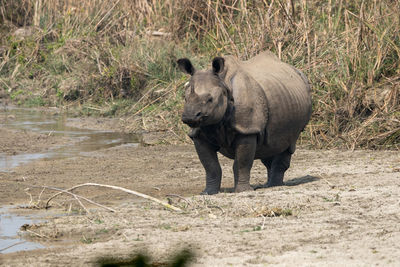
[[268, 164], [276, 167]]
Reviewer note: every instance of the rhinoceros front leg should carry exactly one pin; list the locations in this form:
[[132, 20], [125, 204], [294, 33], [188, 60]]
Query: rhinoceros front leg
[[245, 149], [208, 158]]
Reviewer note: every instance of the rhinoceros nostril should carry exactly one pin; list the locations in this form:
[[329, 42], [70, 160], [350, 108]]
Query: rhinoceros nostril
[[199, 115]]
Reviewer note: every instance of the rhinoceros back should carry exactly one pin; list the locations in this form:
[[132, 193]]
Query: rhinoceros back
[[288, 96]]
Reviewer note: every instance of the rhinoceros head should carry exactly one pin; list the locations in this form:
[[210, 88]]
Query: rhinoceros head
[[206, 96]]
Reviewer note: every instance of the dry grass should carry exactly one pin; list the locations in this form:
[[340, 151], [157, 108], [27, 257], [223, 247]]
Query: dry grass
[[103, 53]]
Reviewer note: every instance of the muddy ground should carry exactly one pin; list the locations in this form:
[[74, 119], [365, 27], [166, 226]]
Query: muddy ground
[[16, 142], [338, 208]]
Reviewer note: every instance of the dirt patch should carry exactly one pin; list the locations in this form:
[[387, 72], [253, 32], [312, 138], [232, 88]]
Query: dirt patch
[[99, 124], [14, 142], [337, 208]]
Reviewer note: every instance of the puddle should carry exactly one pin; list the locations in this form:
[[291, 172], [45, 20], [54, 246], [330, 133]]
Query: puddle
[[55, 124], [9, 228], [83, 141]]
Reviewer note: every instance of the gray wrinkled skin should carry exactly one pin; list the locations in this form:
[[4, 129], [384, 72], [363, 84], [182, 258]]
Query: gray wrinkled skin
[[246, 110]]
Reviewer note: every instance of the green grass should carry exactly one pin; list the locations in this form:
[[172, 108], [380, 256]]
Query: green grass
[[102, 58]]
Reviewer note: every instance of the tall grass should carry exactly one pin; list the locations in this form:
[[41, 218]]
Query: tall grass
[[104, 54]]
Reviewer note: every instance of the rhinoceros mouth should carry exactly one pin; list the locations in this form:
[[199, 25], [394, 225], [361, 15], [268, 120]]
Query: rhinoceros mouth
[[196, 123], [193, 124]]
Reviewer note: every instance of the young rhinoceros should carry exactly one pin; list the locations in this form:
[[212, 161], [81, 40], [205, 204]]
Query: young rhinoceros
[[246, 110]]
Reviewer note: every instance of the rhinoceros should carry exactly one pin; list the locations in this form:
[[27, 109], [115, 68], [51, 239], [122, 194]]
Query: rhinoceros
[[246, 110]]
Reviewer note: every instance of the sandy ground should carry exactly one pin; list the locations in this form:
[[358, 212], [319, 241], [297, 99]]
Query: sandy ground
[[338, 208]]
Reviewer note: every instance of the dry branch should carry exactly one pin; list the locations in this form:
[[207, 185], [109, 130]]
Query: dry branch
[[116, 188], [13, 245], [75, 196]]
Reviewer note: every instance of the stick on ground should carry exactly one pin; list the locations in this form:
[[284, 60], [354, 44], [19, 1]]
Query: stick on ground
[[117, 188], [74, 195]]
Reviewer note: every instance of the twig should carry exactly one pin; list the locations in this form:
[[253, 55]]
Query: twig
[[72, 194], [93, 108], [80, 203], [140, 100], [216, 207], [263, 224], [117, 188], [16, 244], [180, 197], [40, 195], [152, 102], [30, 196], [9, 88], [39, 235], [109, 11], [330, 184]]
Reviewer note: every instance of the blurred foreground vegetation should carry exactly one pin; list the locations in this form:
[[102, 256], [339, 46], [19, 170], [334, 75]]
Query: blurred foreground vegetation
[[117, 58]]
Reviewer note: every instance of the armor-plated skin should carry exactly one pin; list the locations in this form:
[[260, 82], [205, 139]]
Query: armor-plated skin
[[246, 110]]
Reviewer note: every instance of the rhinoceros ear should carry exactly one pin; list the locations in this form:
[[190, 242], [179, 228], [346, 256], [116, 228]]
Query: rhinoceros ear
[[218, 64], [186, 66]]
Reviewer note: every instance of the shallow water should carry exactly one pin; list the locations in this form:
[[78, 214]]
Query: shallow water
[[83, 141], [55, 124], [9, 228]]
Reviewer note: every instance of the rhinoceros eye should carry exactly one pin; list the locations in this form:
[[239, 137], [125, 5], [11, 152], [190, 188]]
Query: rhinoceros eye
[[209, 100]]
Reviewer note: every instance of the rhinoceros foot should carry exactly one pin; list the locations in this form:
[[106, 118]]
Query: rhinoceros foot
[[266, 185], [243, 187], [209, 192]]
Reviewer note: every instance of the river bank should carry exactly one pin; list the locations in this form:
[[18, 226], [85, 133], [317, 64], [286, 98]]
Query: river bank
[[337, 208]]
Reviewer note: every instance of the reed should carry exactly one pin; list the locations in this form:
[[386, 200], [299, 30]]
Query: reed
[[103, 52]]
